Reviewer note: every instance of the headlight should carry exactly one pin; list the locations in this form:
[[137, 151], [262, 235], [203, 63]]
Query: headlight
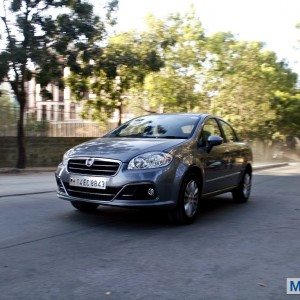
[[150, 160], [66, 156]]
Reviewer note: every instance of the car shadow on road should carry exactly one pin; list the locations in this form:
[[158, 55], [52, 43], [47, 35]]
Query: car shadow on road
[[150, 218]]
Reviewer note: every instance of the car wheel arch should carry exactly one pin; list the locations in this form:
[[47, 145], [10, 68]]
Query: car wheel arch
[[196, 170], [178, 214], [248, 168]]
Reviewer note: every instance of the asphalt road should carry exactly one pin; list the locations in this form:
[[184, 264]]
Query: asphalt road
[[48, 250]]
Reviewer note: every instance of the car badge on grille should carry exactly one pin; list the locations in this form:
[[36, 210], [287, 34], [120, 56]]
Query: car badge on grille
[[89, 162]]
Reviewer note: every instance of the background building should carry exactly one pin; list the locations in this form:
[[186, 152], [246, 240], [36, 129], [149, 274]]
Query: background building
[[58, 108], [57, 115]]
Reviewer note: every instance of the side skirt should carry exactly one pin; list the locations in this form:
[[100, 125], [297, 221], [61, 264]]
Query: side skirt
[[218, 192]]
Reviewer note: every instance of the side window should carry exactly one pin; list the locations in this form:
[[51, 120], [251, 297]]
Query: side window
[[229, 132], [210, 127]]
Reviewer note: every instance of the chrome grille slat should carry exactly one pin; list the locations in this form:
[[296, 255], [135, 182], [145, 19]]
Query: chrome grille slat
[[101, 166], [95, 164], [78, 164], [73, 168]]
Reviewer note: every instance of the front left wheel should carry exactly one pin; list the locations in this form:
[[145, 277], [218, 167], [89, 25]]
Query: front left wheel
[[188, 201], [84, 206], [241, 193]]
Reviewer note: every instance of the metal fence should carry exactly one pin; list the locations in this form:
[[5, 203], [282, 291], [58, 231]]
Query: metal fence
[[75, 127], [8, 120]]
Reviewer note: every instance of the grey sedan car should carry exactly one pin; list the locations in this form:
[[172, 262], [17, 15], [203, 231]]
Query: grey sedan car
[[163, 160]]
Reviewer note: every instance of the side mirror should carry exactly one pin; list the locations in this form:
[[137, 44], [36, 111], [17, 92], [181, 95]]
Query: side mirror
[[213, 140]]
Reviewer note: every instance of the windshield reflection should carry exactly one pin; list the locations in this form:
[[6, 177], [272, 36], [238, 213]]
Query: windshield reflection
[[158, 126]]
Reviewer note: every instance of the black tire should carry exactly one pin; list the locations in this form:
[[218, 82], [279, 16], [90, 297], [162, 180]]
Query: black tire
[[85, 206], [181, 215], [242, 192]]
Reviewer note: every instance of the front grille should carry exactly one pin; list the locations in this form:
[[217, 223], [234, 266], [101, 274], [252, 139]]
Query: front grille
[[93, 194], [99, 167]]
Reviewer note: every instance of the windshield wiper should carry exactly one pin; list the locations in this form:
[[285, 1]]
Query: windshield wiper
[[136, 136], [173, 137], [150, 136]]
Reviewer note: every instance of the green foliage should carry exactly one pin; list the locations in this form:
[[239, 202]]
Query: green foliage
[[46, 36], [34, 127], [181, 43], [218, 74], [246, 80], [169, 91], [118, 69], [4, 64], [49, 43], [5, 100], [8, 113], [287, 109], [174, 66]]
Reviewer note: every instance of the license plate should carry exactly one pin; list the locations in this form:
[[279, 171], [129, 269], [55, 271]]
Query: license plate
[[88, 182]]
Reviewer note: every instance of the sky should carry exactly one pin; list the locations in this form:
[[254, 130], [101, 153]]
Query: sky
[[270, 21]]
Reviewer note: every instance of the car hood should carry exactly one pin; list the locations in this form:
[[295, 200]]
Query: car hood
[[123, 149]]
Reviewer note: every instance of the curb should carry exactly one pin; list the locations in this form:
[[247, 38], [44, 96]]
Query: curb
[[270, 166], [25, 194], [17, 171]]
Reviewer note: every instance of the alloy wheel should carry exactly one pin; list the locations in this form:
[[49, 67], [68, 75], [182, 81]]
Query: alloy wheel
[[191, 198], [247, 185]]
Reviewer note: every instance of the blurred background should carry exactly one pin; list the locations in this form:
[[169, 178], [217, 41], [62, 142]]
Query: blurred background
[[73, 70]]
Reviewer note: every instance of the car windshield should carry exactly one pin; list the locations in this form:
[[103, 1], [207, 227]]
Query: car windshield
[[158, 126]]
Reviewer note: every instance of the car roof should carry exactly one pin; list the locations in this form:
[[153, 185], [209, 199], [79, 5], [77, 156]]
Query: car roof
[[181, 114]]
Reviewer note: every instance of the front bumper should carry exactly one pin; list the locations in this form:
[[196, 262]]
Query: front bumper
[[128, 188]]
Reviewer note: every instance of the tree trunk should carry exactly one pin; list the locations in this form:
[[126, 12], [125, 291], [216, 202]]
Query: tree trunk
[[21, 98], [21, 162], [120, 109]]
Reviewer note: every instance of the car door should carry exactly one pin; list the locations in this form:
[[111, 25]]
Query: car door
[[214, 161], [234, 151]]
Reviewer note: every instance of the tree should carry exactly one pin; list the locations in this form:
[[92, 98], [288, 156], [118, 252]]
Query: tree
[[40, 38], [219, 74], [169, 91], [182, 45], [152, 70], [287, 110], [243, 79], [117, 70], [174, 66]]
